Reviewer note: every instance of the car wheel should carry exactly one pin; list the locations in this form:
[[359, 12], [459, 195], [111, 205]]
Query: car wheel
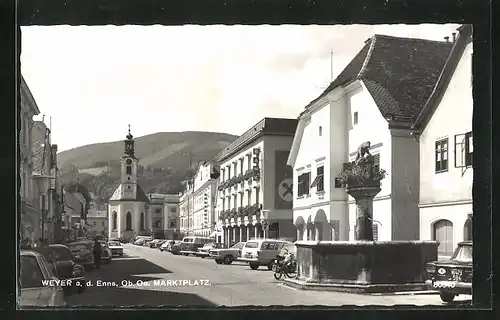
[[218, 261], [446, 296], [186, 254], [203, 257], [161, 249], [254, 266], [228, 260]]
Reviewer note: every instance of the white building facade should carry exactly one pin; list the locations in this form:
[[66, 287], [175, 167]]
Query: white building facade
[[30, 215], [254, 197], [446, 152], [204, 203], [362, 105], [155, 214], [171, 211], [186, 208]]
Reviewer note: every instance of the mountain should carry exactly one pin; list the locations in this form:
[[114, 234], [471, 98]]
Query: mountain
[[163, 161]]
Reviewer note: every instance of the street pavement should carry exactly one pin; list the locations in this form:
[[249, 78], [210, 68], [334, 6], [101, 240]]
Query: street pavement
[[149, 277]]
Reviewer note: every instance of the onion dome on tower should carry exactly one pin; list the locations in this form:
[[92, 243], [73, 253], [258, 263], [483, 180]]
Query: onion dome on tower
[[129, 144]]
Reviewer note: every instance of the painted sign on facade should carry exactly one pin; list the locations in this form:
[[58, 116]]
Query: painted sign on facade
[[283, 180]]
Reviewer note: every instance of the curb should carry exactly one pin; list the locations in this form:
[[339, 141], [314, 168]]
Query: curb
[[406, 293]]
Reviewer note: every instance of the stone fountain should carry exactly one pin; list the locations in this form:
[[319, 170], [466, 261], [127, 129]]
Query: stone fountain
[[363, 265]]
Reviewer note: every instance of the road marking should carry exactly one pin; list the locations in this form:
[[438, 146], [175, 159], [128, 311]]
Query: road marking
[[288, 287]]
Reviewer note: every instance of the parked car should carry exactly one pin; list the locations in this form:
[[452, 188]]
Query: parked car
[[190, 245], [175, 248], [454, 276], [156, 243], [139, 242], [106, 255], [82, 254], [165, 246], [34, 271], [204, 251], [65, 268], [262, 252], [227, 255], [116, 248]]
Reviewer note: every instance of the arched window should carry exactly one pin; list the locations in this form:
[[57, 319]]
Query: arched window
[[443, 232], [129, 169], [115, 220], [468, 229], [128, 220], [142, 220]]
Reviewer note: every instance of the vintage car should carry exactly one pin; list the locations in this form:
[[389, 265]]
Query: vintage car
[[82, 253], [228, 255], [454, 276], [165, 246], [106, 255], [204, 251], [190, 245], [156, 243], [116, 248], [175, 248], [39, 285], [65, 267], [262, 252]]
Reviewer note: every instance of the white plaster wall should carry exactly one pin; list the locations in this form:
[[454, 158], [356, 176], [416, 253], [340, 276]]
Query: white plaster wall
[[135, 209], [453, 116], [371, 127], [456, 214]]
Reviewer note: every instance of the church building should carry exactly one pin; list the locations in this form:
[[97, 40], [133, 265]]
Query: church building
[[127, 209]]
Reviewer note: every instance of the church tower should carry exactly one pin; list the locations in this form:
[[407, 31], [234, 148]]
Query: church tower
[[129, 169]]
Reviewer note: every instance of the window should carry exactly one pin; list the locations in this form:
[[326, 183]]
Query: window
[[235, 169], [469, 149], [128, 222], [103, 224], [114, 220], [468, 229], [229, 172], [303, 183], [257, 192], [129, 169], [222, 171], [442, 155], [443, 233], [235, 201], [241, 165], [95, 223], [31, 275], [241, 199], [355, 120], [249, 196], [320, 131], [223, 204], [338, 183], [249, 161], [158, 211], [172, 223], [319, 180], [142, 221]]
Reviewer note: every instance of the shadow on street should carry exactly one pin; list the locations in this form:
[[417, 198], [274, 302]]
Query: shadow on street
[[131, 271]]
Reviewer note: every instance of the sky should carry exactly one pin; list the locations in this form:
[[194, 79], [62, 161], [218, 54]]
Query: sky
[[92, 81]]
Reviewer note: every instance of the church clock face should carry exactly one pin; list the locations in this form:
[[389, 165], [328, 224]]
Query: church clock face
[[129, 162]]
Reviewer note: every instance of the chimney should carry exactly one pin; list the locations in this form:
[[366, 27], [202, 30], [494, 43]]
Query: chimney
[[447, 39], [454, 36]]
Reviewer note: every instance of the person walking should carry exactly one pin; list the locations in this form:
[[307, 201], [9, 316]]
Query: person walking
[[97, 250]]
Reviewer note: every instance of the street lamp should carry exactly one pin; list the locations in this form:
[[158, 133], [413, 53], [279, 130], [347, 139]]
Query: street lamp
[[43, 183], [264, 222]]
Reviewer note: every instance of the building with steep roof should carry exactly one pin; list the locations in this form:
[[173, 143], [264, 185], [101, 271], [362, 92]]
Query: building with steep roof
[[376, 98], [171, 211], [254, 197], [128, 206], [444, 130]]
